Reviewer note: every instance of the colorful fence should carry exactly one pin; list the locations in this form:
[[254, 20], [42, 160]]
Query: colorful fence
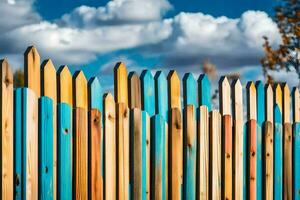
[[61, 138]]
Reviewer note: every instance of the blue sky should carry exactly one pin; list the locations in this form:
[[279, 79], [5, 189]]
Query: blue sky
[[93, 35]]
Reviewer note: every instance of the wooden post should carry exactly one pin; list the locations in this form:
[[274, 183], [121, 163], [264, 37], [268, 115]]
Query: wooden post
[[204, 91], [296, 144], [161, 95], [238, 135], [110, 147], [134, 89], [174, 90], [189, 91], [121, 84], [203, 153], [32, 70], [80, 136], [215, 155], [46, 178], [7, 136], [189, 153]]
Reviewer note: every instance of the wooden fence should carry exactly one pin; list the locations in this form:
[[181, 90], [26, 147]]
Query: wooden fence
[[61, 138]]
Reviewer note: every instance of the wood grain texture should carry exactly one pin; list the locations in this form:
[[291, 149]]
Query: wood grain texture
[[148, 92], [121, 83], [296, 105], [286, 104], [7, 136], [95, 94], [190, 90], [146, 156], [161, 95], [64, 151], [176, 158], [224, 89], [252, 159], [46, 157], [80, 184], [251, 101], [204, 91], [64, 85], [278, 97], [203, 153], [215, 155], [296, 160], [268, 161], [287, 162], [238, 135], [122, 134], [110, 147], [32, 70], [80, 90], [269, 103], [227, 157], [30, 147], [174, 90], [95, 155], [134, 89], [189, 153]]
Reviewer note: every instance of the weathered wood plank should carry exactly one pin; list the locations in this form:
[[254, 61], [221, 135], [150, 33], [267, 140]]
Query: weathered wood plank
[[296, 161], [204, 91], [268, 161], [146, 144], [7, 136], [46, 157], [252, 158], [174, 90], [80, 89], [161, 95], [121, 83], [134, 89], [203, 153], [122, 134], [238, 133], [64, 85], [110, 147], [95, 94], [32, 70], [176, 157], [148, 92], [251, 101], [269, 103], [224, 89], [189, 90], [95, 155], [288, 162], [189, 153], [296, 105], [286, 104], [215, 155]]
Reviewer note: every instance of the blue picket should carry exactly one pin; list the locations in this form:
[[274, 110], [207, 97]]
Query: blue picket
[[189, 90], [144, 155], [95, 94], [204, 91], [23, 140], [45, 148], [64, 151], [278, 155], [148, 92], [260, 95], [296, 161], [18, 144], [161, 94]]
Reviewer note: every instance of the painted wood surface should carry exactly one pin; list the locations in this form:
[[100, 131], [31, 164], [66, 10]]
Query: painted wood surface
[[268, 161], [204, 91], [146, 144], [296, 161], [121, 83], [288, 162], [64, 151], [64, 85], [46, 157], [109, 147], [174, 90], [252, 159], [95, 155], [189, 153], [161, 95], [32, 70], [134, 89], [224, 89], [95, 94], [190, 90], [296, 105], [148, 92], [7, 136]]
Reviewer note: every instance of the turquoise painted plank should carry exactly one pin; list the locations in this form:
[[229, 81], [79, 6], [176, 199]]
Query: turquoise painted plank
[[24, 133], [144, 155], [161, 96], [296, 161], [18, 144], [189, 165], [278, 155], [95, 94], [189, 90], [245, 149], [157, 156], [204, 92], [260, 95], [148, 93], [45, 148], [64, 151]]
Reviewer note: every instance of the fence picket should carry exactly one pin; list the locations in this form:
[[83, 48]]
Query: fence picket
[[121, 83], [32, 70], [148, 92], [268, 163], [134, 90], [204, 88], [161, 94], [146, 144], [65, 87], [95, 94], [189, 90], [296, 144], [224, 89], [174, 90]]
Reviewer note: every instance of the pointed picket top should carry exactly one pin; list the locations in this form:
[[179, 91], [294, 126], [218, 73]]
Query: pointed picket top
[[260, 92], [64, 82], [189, 90], [278, 96], [269, 103], [296, 105], [204, 91], [95, 94], [161, 90], [286, 104], [6, 73], [108, 98], [134, 91], [237, 90], [251, 101], [80, 90], [121, 83], [49, 80], [32, 70], [224, 91], [148, 92], [174, 90]]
